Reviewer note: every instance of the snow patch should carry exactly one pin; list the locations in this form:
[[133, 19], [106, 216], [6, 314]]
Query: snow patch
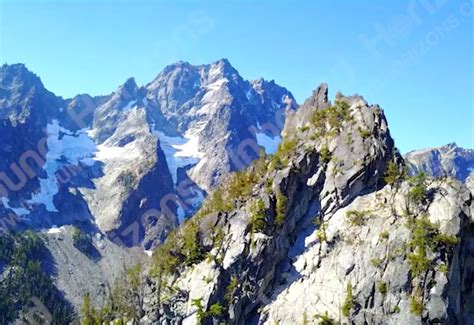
[[213, 96], [287, 100], [180, 151], [128, 152], [18, 211], [180, 214], [62, 144], [54, 230], [191, 203], [131, 104]]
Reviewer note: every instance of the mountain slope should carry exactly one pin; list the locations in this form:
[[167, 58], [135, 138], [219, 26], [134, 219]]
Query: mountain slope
[[184, 130], [449, 160]]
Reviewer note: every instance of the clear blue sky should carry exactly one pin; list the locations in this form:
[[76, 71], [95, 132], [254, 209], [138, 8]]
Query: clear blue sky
[[413, 58]]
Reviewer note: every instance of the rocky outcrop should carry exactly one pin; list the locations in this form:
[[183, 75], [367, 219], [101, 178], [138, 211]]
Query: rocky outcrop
[[24, 108], [323, 231], [318, 100], [337, 154], [125, 201], [370, 255]]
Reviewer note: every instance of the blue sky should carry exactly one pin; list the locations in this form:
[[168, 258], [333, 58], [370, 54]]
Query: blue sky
[[413, 58]]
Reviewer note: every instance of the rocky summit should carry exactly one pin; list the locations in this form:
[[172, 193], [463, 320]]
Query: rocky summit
[[204, 198]]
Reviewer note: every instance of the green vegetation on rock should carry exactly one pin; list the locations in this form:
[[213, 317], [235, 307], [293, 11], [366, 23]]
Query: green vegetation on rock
[[348, 302], [321, 232], [216, 310], [416, 305], [280, 208], [394, 174], [197, 303], [284, 152], [325, 154], [364, 133], [229, 292], [419, 190], [425, 238], [329, 121], [81, 241], [383, 288], [257, 216], [357, 218], [324, 319], [124, 302]]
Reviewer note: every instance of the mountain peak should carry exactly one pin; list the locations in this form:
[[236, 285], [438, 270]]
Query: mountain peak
[[224, 68], [17, 75], [14, 68], [129, 88], [318, 100], [130, 83], [223, 62], [451, 145], [261, 81], [320, 96], [177, 65]]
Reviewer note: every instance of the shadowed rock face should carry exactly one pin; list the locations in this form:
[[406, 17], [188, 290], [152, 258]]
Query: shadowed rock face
[[449, 160], [24, 107]]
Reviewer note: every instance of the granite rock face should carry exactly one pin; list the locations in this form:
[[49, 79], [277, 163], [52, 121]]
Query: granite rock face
[[371, 258], [343, 227]]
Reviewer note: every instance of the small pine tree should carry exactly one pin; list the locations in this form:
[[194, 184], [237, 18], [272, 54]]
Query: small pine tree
[[280, 208], [325, 154], [216, 310], [89, 314], [348, 302], [392, 173], [257, 219], [192, 249], [419, 190]]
